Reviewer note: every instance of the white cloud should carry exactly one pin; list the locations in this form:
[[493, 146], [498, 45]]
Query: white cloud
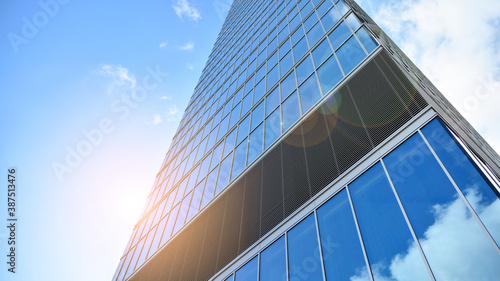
[[173, 114], [157, 119], [189, 66], [184, 8], [454, 245], [187, 47], [455, 44], [163, 45], [169, 98], [120, 78]]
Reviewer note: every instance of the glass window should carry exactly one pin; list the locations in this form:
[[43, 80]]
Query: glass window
[[216, 156], [304, 69], [229, 143], [248, 272], [309, 93], [208, 194], [367, 40], [272, 78], [342, 253], [291, 111], [257, 115], [272, 61], [342, 7], [223, 128], [353, 21], [385, 233], [272, 101], [243, 129], [225, 171], [297, 35], [350, 54], [310, 21], [476, 188], [300, 49], [195, 202], [303, 260], [339, 35], [437, 213], [273, 262], [329, 74], [273, 127], [285, 64], [330, 19], [170, 224], [322, 52], [256, 141], [247, 104], [235, 116], [240, 154], [315, 34], [323, 8], [288, 85], [183, 212], [260, 91]]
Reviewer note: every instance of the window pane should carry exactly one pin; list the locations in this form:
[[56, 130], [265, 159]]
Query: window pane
[[240, 155], [288, 85], [350, 54], [291, 111], [330, 19], [329, 74], [208, 194], [260, 91], [272, 101], [339, 35], [285, 64], [309, 93], [273, 127], [297, 35], [476, 188], [225, 171], [367, 40], [257, 115], [342, 253], [321, 52], [273, 262], [255, 143], [314, 34], [353, 21], [229, 143], [437, 213], [304, 69], [303, 260], [300, 49], [243, 129], [182, 212], [248, 272], [384, 230], [272, 78], [247, 104]]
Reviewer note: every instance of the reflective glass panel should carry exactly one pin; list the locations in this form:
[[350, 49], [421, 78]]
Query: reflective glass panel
[[225, 171], [291, 111], [273, 128], [248, 272], [331, 18], [367, 40], [257, 115], [314, 34], [272, 101], [300, 49], [339, 35], [340, 245], [309, 93], [476, 188], [273, 262], [272, 78], [288, 85], [384, 230], [350, 54], [304, 69], [256, 142], [437, 213], [321, 52], [303, 251], [240, 154], [243, 129]]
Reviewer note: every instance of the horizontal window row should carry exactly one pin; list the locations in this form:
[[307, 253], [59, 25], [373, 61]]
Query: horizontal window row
[[421, 213]]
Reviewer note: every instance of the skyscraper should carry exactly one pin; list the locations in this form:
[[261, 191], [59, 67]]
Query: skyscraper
[[314, 149]]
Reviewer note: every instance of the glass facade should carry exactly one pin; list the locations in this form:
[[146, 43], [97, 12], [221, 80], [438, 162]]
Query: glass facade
[[261, 77], [404, 218], [294, 94]]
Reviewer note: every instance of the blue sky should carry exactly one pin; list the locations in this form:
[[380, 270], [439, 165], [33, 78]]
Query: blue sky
[[92, 93]]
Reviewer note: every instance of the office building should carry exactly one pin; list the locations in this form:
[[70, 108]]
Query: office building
[[314, 149]]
